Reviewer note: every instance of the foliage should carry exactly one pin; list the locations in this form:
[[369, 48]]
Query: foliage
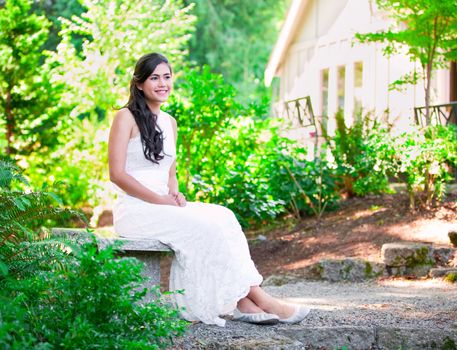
[[84, 300], [218, 146], [235, 38], [22, 213], [92, 302], [423, 157], [82, 164], [232, 155], [115, 34], [451, 277], [304, 186], [92, 67], [53, 10], [363, 154], [428, 31], [27, 102]]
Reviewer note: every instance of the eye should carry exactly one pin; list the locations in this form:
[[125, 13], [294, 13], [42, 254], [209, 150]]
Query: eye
[[153, 78]]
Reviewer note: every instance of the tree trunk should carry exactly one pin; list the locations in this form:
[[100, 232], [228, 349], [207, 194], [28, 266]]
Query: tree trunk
[[428, 82]]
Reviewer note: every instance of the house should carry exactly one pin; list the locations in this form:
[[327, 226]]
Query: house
[[317, 55]]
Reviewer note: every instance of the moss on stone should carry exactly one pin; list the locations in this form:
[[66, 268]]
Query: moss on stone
[[368, 269], [449, 344], [346, 271], [451, 277], [420, 257]]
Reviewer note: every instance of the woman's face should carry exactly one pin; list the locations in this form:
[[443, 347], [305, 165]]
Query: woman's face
[[158, 85]]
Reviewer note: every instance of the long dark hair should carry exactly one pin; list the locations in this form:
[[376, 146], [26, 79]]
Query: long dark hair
[[151, 135]]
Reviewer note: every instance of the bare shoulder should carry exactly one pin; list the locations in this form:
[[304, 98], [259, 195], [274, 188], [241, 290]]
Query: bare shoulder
[[125, 116], [123, 125]]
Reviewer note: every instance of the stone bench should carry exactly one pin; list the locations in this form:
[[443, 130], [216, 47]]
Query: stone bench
[[148, 251]]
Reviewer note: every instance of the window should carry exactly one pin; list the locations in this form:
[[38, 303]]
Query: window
[[341, 79], [358, 87]]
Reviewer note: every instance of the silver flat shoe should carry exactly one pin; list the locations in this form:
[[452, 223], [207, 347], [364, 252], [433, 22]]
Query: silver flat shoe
[[261, 318], [299, 315]]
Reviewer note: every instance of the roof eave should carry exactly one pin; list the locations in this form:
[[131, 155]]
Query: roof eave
[[285, 37]]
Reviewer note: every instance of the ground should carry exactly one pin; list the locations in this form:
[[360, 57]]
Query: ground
[[358, 228]]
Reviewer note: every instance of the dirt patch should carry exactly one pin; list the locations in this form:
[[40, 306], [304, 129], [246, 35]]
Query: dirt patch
[[357, 229]]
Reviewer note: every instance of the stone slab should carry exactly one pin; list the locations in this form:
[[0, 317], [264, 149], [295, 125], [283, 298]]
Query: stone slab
[[349, 269], [149, 245], [147, 251], [407, 254], [354, 338], [442, 271], [377, 315], [415, 338]]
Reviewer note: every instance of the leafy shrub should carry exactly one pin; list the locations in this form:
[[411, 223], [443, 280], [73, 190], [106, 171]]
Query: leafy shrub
[[304, 186], [234, 155], [363, 154], [423, 157], [80, 164], [52, 299], [23, 213], [92, 302]]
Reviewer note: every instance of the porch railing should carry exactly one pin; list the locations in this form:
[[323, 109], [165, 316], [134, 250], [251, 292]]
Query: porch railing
[[301, 110], [439, 114]]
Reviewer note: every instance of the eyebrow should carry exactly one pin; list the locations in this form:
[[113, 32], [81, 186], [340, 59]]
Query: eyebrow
[[153, 74]]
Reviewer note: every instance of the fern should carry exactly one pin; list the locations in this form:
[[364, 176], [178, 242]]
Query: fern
[[23, 214], [10, 172]]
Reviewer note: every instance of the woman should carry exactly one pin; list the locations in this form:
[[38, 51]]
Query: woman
[[212, 263]]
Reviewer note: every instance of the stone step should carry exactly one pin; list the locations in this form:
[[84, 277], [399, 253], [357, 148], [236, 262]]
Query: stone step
[[407, 254], [377, 315], [237, 335], [349, 270], [442, 271], [411, 258]]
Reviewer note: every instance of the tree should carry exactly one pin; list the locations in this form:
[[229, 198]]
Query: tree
[[23, 87], [235, 38], [428, 30], [94, 73], [115, 34]]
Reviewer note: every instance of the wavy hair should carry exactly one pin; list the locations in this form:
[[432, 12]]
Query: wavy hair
[[151, 135]]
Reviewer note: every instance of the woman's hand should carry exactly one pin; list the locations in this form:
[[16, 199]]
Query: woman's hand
[[168, 199], [179, 198]]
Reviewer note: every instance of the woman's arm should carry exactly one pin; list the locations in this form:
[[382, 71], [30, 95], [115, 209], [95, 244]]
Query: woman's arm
[[119, 137], [173, 187]]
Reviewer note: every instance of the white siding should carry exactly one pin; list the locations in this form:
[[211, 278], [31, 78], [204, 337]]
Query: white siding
[[325, 40]]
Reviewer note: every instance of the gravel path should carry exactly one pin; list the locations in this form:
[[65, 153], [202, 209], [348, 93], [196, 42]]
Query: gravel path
[[429, 303], [389, 314]]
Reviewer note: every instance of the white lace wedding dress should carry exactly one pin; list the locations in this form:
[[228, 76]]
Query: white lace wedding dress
[[212, 263]]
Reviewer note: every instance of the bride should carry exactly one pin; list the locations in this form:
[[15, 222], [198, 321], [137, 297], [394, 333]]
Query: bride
[[212, 263]]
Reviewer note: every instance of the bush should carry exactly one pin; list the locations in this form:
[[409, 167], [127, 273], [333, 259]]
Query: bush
[[423, 158], [91, 302], [53, 299], [305, 187], [234, 155], [363, 155]]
